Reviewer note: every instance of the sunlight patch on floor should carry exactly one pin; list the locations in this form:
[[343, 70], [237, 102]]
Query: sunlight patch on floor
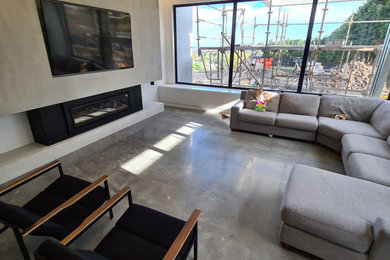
[[148, 157], [142, 161], [169, 142]]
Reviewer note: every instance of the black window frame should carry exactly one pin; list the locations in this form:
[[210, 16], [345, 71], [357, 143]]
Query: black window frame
[[232, 45]]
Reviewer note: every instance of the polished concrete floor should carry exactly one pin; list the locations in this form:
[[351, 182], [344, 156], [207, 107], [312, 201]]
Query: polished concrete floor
[[183, 159]]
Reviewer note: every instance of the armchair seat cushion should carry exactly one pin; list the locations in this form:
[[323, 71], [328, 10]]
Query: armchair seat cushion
[[119, 244], [68, 218], [364, 144], [334, 207], [293, 121], [369, 167], [252, 116], [66, 186], [152, 225], [336, 129]]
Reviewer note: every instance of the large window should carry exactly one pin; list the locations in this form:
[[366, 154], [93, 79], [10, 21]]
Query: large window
[[247, 44]]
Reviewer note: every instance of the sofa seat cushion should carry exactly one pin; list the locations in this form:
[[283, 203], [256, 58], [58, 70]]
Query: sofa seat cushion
[[301, 122], [334, 207], [364, 144], [370, 168], [252, 116], [337, 128], [302, 104]]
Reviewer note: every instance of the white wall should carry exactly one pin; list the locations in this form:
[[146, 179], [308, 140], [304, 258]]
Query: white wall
[[167, 40], [15, 132], [25, 77]]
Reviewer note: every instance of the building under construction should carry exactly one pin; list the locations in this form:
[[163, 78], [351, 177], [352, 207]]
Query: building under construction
[[270, 64]]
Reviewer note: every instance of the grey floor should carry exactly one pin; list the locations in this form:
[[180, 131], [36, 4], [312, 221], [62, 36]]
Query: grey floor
[[182, 159]]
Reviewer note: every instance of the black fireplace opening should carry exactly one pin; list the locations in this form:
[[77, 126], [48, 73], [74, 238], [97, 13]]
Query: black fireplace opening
[[55, 123]]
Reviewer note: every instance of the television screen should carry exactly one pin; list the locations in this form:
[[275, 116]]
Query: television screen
[[81, 39]]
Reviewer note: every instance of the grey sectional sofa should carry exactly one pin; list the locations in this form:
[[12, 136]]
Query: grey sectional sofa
[[366, 158], [334, 216], [286, 116], [365, 118], [327, 214], [308, 117]]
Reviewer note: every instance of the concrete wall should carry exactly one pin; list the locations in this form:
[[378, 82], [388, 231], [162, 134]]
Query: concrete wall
[[184, 34], [25, 77], [15, 132]]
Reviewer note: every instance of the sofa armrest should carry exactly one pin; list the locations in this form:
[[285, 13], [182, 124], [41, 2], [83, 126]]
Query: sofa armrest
[[236, 108], [381, 246]]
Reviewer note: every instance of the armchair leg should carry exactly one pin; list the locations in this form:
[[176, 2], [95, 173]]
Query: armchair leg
[[21, 244], [107, 189], [111, 213], [196, 242], [3, 229]]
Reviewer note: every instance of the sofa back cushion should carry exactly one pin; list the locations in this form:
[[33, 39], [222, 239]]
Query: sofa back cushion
[[273, 105], [381, 119], [301, 104], [356, 108]]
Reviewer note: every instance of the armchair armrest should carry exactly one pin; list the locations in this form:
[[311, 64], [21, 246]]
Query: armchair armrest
[[236, 108], [183, 235], [381, 246], [96, 215], [64, 205], [31, 176]]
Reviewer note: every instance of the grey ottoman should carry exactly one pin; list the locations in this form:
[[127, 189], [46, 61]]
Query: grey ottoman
[[334, 216]]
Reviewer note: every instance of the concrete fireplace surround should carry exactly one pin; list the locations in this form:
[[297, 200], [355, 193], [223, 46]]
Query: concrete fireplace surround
[[26, 82]]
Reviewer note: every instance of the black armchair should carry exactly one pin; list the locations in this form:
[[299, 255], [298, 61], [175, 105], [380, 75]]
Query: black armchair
[[140, 233], [57, 210]]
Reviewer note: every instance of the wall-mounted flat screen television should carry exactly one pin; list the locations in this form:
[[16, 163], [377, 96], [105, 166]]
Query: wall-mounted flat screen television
[[81, 39]]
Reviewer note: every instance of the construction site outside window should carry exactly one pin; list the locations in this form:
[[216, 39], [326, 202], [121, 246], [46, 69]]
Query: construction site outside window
[[248, 44]]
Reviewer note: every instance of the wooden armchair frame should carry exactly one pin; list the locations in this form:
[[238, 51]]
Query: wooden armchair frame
[[173, 251], [19, 235]]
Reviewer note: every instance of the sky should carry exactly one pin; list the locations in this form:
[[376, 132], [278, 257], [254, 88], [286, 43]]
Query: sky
[[337, 12]]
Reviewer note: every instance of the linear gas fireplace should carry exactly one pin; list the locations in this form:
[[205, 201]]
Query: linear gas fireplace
[[55, 123]]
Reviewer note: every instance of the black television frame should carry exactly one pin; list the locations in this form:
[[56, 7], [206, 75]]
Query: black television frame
[[47, 45]]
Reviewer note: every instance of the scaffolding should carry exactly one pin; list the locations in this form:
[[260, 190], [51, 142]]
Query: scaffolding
[[248, 74]]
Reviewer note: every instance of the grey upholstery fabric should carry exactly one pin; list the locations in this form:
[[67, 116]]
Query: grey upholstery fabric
[[250, 99], [357, 108], [243, 94], [234, 111], [317, 246], [329, 142], [381, 119], [370, 168], [334, 207], [388, 140], [277, 131], [299, 104], [381, 247], [337, 128], [303, 122], [364, 144], [253, 116], [273, 106]]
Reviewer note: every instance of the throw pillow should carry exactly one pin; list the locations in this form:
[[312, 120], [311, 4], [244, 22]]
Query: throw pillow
[[340, 117], [250, 99]]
